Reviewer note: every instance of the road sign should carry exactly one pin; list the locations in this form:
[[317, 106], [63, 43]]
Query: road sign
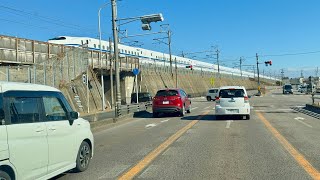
[[135, 71], [212, 81]]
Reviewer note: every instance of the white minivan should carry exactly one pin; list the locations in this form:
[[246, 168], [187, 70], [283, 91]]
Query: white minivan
[[232, 100], [40, 135]]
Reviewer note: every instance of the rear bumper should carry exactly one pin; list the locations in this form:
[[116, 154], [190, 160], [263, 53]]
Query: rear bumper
[[171, 109], [232, 110]]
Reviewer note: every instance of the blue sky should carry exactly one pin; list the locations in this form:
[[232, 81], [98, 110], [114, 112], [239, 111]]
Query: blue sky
[[237, 28]]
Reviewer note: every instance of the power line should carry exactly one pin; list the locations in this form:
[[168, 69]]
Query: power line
[[44, 18]]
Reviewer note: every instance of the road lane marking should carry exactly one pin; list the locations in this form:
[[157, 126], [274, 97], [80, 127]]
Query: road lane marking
[[151, 125], [301, 160], [299, 119], [166, 120], [229, 123], [194, 108], [156, 152], [276, 110]]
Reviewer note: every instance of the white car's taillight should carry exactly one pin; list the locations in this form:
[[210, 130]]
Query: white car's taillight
[[217, 100], [246, 99]]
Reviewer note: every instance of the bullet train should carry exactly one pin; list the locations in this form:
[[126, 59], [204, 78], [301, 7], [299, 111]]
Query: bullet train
[[147, 56]]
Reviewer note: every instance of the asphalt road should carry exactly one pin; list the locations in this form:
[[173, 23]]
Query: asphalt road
[[276, 143]]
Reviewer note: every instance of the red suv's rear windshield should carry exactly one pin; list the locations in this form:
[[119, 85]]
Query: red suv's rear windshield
[[167, 93], [228, 93]]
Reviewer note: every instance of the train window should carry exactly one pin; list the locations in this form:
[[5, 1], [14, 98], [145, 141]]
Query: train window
[[99, 46], [141, 52], [151, 54], [87, 41], [82, 42], [94, 45], [58, 38], [103, 47]]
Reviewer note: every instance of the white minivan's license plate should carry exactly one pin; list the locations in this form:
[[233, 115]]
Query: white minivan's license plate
[[233, 110], [165, 102]]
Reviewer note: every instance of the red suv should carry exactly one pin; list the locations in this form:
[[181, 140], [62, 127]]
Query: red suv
[[171, 101]]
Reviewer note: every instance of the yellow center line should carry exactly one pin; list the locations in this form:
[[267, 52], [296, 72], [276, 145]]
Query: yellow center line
[[156, 152], [302, 161]]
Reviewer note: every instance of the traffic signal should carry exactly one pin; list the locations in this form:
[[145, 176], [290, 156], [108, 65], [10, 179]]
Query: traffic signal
[[268, 62], [190, 66]]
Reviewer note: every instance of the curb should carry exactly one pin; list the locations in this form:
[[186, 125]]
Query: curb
[[97, 126]]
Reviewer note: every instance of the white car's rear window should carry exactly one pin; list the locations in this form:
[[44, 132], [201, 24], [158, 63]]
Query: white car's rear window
[[229, 93]]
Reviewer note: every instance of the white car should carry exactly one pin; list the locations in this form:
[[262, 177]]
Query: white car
[[232, 100], [212, 93], [40, 135]]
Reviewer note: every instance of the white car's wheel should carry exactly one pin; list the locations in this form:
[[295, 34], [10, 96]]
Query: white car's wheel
[[84, 157]]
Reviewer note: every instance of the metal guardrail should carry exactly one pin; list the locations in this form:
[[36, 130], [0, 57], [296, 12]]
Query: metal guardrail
[[315, 97], [124, 110], [130, 108]]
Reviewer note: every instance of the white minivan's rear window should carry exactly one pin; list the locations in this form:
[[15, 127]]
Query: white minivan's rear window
[[231, 93], [213, 90]]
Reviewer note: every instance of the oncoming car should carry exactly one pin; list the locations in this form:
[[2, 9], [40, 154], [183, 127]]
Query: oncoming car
[[40, 134], [232, 100], [212, 93]]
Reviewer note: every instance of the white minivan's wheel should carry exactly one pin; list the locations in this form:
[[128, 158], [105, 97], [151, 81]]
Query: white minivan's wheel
[[4, 176], [84, 157]]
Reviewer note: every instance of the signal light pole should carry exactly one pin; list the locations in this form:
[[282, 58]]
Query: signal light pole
[[259, 88]]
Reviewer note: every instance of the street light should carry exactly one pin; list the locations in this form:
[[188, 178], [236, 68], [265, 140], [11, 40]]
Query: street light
[[145, 20], [100, 56]]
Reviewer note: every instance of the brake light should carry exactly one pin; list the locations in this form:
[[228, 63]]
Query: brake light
[[246, 99], [217, 99]]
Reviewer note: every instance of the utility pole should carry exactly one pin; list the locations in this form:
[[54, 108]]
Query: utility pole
[[301, 73], [170, 55], [257, 57], [217, 54], [116, 57], [176, 71], [111, 74], [317, 71], [282, 74], [240, 66]]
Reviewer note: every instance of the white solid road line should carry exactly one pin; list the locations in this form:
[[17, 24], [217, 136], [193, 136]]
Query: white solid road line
[[166, 120], [151, 125], [299, 119], [194, 108], [229, 123]]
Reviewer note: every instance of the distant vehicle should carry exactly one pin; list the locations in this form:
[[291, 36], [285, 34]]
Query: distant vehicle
[[171, 101], [142, 97], [212, 93], [302, 89], [287, 88], [40, 135], [232, 100]]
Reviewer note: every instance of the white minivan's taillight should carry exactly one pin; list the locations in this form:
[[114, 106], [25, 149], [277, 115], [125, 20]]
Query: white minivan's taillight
[[246, 99]]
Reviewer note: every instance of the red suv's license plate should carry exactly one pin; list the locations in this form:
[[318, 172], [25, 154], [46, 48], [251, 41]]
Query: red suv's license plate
[[165, 102]]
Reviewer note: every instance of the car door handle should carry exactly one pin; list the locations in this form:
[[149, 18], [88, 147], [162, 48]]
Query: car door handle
[[39, 130], [52, 128]]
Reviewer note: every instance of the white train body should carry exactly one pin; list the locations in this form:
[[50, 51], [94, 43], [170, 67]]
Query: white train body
[[148, 56]]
